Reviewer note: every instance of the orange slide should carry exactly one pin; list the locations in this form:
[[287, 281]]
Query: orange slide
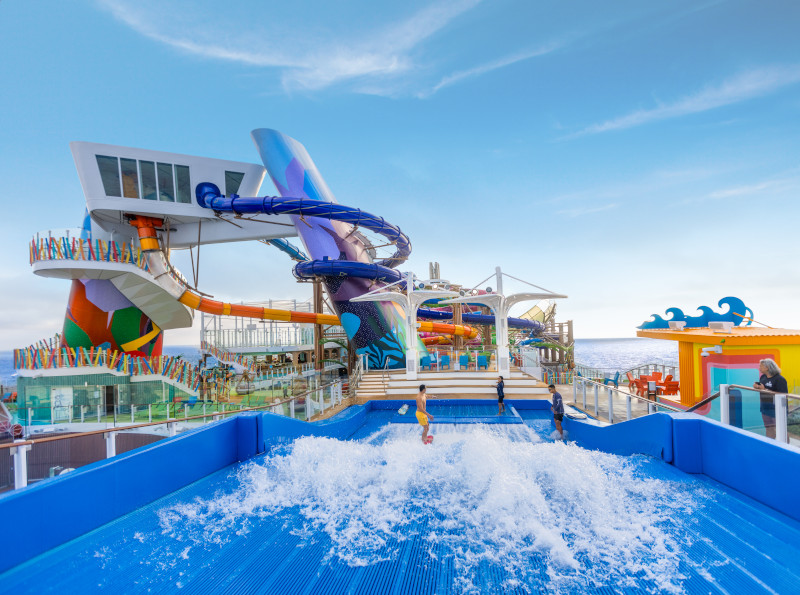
[[148, 240]]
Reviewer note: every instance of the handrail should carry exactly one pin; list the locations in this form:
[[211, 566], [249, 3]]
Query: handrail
[[166, 421], [708, 399], [637, 397], [716, 395]]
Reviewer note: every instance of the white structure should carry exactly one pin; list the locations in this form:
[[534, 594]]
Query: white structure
[[500, 305], [409, 302]]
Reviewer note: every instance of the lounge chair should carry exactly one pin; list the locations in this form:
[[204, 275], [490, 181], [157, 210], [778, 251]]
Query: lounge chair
[[444, 362], [482, 363], [463, 362], [425, 362], [614, 380]]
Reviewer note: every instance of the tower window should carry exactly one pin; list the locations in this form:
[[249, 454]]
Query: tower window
[[109, 173], [166, 187], [233, 180], [182, 184], [130, 178], [148, 171]]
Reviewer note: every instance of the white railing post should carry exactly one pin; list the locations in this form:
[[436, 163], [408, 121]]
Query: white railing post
[[628, 405], [98, 412], [150, 412], [133, 413], [111, 444], [171, 429], [583, 385], [781, 418], [321, 394], [83, 412], [291, 409], [20, 454], [596, 400], [611, 405], [724, 404], [574, 388]]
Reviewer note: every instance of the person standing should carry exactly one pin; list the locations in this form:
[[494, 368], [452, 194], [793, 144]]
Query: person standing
[[557, 408], [423, 417], [501, 408], [770, 380]]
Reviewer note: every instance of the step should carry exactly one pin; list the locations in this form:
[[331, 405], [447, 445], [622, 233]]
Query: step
[[474, 390], [511, 382]]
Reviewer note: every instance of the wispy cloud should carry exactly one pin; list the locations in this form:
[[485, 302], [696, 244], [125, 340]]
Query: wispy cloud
[[744, 86], [490, 66], [310, 61], [580, 211], [764, 190]]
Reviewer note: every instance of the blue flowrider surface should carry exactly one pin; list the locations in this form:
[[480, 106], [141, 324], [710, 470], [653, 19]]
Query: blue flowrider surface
[[485, 509], [460, 414]]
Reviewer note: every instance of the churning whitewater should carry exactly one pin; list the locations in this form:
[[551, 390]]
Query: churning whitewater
[[545, 512]]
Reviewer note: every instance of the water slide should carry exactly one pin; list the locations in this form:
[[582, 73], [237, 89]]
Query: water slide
[[148, 239], [339, 256]]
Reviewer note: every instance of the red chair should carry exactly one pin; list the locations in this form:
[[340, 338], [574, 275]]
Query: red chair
[[634, 384]]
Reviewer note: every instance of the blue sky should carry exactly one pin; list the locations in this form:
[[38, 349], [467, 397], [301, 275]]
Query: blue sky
[[633, 155]]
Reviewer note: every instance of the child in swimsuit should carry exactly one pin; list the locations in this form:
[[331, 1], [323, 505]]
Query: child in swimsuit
[[423, 417]]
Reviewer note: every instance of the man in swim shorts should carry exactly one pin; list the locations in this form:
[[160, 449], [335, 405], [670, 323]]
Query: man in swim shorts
[[501, 408], [423, 417], [557, 409]]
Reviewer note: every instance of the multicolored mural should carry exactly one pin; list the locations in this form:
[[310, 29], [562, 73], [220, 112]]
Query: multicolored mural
[[98, 315], [376, 329]]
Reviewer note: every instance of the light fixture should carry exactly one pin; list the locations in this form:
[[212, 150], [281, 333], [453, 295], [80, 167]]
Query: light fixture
[[706, 351]]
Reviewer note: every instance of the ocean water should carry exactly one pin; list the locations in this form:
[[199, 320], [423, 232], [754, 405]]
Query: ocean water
[[621, 354], [624, 354]]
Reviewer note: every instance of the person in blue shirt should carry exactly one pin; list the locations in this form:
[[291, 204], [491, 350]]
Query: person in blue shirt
[[557, 409], [501, 408]]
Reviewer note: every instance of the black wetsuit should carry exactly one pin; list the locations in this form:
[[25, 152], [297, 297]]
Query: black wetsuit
[[500, 394]]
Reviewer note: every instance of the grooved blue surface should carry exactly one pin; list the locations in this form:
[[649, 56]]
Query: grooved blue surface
[[729, 543]]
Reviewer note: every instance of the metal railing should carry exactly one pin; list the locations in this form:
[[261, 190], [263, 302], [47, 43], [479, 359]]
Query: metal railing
[[362, 365], [48, 456], [737, 408], [610, 402], [636, 371]]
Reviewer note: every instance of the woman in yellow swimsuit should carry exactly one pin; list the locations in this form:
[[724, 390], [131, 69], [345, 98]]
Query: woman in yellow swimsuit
[[423, 417]]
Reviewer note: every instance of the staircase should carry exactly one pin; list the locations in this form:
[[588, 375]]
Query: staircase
[[392, 384]]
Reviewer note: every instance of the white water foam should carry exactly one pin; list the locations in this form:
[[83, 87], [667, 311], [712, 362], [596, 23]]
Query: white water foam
[[479, 494]]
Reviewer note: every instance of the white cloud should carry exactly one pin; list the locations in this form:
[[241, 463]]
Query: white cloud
[[744, 86], [490, 66], [313, 60]]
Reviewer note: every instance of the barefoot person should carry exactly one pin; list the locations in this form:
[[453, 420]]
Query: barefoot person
[[557, 409], [501, 408], [423, 417]]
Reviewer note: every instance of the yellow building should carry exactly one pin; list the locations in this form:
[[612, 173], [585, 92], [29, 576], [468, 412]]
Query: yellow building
[[710, 357]]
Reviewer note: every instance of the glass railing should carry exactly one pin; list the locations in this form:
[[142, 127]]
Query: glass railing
[[765, 413], [47, 451], [608, 403]]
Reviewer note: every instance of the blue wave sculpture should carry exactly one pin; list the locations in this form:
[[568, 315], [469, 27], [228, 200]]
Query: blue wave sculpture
[[736, 313]]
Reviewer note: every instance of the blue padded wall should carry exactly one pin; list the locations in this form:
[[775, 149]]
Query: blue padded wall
[[756, 466], [279, 429], [650, 435], [64, 507]]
